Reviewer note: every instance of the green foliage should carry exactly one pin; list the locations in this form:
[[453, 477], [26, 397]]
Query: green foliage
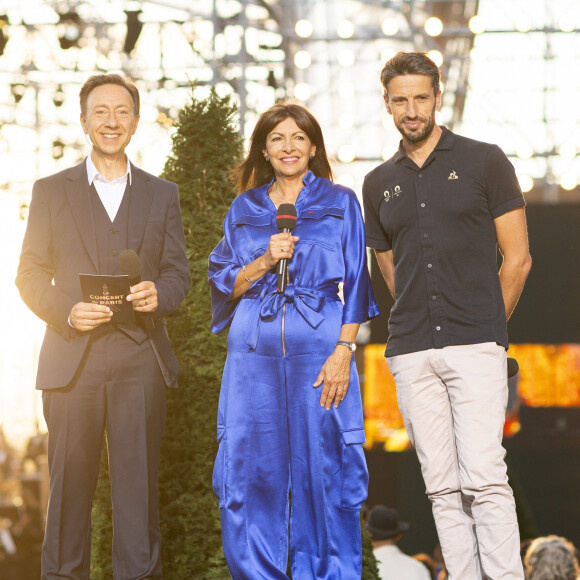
[[369, 562], [205, 146], [102, 524]]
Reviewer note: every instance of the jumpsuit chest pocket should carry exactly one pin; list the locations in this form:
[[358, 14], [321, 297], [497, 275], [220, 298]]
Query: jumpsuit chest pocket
[[254, 232], [320, 226]]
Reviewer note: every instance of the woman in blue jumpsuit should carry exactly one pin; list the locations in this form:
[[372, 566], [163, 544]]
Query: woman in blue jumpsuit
[[286, 426]]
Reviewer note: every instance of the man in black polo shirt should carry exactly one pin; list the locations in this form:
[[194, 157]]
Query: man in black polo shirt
[[435, 213]]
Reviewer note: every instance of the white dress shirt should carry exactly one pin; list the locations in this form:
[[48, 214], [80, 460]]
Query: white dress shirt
[[110, 192], [394, 565]]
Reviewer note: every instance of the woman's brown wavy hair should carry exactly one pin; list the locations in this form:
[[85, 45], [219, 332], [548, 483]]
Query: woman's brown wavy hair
[[255, 171]]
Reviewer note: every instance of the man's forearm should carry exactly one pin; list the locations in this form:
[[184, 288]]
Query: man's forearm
[[512, 277]]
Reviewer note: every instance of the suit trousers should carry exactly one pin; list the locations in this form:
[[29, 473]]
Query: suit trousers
[[118, 390], [453, 402]]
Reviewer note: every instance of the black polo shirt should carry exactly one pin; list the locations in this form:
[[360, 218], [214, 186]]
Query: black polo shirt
[[438, 220]]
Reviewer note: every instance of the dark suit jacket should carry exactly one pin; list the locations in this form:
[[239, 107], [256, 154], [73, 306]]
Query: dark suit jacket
[[60, 243]]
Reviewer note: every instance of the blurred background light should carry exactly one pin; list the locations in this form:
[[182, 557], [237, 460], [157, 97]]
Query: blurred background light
[[524, 150], [345, 29], [569, 181], [433, 26], [346, 154], [567, 151], [346, 179], [346, 90], [390, 27], [526, 183], [566, 23], [436, 56], [523, 23], [302, 59], [346, 121], [302, 91], [477, 24], [387, 54], [346, 58], [304, 28]]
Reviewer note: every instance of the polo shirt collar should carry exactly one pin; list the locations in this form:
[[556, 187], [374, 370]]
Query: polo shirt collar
[[93, 172], [445, 143]]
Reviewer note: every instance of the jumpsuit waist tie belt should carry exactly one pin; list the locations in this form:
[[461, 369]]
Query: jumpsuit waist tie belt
[[307, 301]]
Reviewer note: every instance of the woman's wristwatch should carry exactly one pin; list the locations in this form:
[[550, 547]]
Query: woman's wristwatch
[[350, 345]]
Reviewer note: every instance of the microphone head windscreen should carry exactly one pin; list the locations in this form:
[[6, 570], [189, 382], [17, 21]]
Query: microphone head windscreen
[[512, 367], [286, 216], [130, 264]]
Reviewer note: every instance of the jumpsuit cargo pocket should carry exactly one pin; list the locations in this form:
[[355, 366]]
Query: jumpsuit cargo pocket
[[220, 467], [355, 476]]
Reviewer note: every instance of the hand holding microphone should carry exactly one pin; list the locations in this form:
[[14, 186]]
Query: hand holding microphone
[[285, 222], [143, 294]]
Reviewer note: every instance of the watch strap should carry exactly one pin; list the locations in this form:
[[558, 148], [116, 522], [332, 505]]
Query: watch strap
[[350, 345]]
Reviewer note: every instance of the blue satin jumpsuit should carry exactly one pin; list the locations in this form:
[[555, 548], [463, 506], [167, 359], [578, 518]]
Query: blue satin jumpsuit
[[276, 441]]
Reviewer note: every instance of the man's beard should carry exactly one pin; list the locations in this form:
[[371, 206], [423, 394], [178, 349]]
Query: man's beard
[[417, 137]]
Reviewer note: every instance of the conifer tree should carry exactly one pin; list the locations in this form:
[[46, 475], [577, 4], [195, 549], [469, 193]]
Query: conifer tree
[[205, 147]]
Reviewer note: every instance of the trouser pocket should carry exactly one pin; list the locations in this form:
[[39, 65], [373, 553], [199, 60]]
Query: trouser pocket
[[355, 476]]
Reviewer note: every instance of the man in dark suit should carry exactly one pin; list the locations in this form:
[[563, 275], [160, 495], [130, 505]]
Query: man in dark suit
[[97, 376]]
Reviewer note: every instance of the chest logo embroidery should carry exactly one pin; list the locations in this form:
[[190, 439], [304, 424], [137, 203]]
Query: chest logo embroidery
[[453, 175], [389, 194]]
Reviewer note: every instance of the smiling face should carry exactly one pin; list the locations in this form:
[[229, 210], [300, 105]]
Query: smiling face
[[110, 121], [412, 102], [289, 149]]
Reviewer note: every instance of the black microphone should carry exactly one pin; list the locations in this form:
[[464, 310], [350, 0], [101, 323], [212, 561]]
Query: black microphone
[[285, 222], [130, 265], [512, 367]]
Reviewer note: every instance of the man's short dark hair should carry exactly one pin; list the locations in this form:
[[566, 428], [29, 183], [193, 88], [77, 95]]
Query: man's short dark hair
[[108, 79], [410, 63]]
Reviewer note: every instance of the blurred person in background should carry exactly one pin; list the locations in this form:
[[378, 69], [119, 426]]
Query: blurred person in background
[[386, 529], [551, 558]]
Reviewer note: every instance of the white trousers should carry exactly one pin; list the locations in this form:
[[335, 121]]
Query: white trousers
[[453, 402]]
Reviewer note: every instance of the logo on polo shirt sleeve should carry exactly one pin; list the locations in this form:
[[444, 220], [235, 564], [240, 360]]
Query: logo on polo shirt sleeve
[[395, 191]]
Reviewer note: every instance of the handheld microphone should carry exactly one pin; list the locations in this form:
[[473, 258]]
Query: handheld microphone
[[512, 367], [285, 222], [130, 265]]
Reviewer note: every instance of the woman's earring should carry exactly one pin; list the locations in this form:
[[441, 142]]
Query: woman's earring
[[312, 155], [267, 159]]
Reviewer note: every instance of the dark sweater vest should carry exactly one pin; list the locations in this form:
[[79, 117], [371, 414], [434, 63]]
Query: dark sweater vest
[[111, 241]]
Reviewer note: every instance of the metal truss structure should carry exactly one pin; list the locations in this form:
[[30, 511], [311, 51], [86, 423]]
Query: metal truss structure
[[325, 53]]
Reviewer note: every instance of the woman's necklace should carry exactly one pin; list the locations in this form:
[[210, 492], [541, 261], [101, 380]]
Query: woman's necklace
[[280, 196]]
